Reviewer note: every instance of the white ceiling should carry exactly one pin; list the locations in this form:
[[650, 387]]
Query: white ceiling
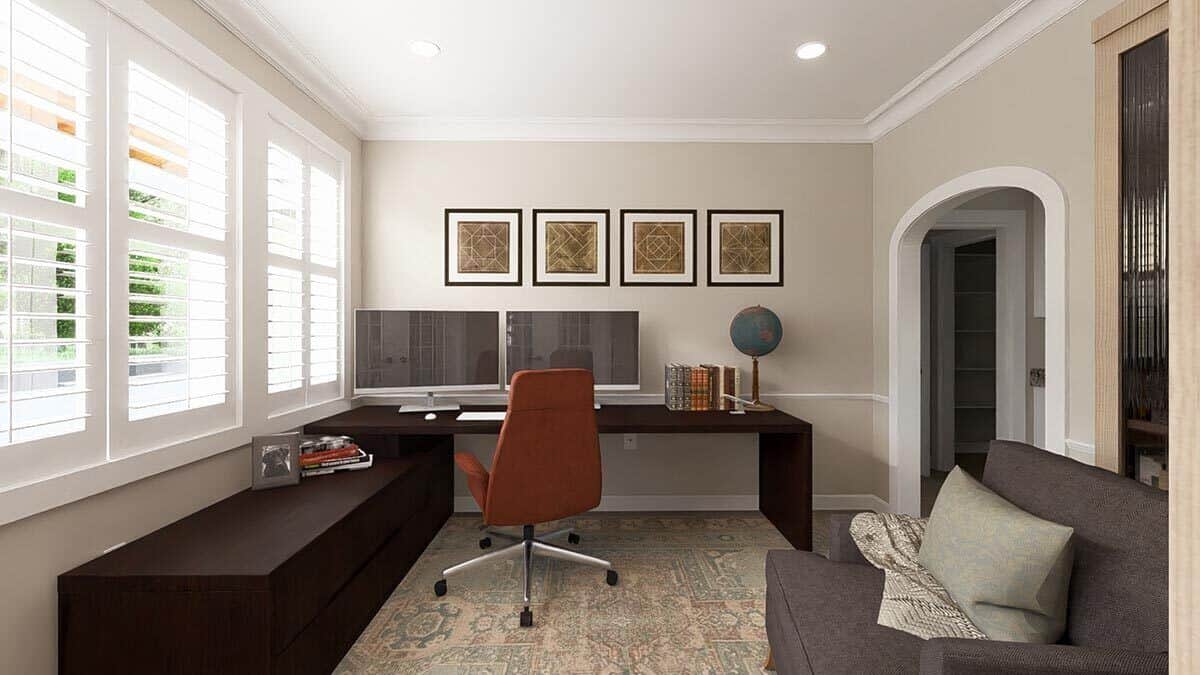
[[670, 61]]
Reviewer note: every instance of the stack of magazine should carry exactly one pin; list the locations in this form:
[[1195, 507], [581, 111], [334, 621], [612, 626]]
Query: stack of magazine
[[321, 455]]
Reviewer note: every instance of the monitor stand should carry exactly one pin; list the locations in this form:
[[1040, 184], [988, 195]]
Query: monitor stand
[[431, 405]]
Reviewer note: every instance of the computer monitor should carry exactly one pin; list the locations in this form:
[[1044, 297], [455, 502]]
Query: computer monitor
[[602, 341], [424, 351]]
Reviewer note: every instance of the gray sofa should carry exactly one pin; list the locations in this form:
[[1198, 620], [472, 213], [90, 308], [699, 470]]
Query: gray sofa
[[821, 612]]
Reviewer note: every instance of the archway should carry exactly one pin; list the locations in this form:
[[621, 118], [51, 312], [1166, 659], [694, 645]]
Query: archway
[[904, 333]]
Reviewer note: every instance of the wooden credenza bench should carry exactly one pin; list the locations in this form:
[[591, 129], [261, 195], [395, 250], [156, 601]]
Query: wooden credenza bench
[[271, 582]]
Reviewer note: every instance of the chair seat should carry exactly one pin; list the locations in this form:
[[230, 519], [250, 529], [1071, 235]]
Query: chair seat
[[821, 619]]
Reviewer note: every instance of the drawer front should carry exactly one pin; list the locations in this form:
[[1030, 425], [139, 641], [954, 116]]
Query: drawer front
[[184, 633], [307, 582], [321, 645]]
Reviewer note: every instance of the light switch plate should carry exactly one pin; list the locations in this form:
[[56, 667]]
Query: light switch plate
[[629, 441]]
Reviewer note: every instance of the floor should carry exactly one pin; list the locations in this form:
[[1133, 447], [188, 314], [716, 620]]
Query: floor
[[971, 462], [690, 600]]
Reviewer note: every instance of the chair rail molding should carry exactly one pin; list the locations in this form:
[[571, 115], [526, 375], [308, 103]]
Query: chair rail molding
[[619, 398]]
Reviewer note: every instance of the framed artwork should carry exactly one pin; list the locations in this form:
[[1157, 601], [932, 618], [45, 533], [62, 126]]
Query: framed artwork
[[274, 461], [745, 248], [658, 247], [570, 247], [483, 247]]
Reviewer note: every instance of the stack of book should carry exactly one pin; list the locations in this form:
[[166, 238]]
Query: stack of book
[[323, 455], [701, 387]]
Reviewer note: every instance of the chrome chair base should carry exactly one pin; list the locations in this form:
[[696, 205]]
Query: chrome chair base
[[527, 546]]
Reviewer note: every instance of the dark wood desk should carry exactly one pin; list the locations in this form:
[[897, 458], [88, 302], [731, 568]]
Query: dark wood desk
[[784, 446]]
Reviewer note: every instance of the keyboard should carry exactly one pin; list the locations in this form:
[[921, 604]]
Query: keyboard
[[497, 416]]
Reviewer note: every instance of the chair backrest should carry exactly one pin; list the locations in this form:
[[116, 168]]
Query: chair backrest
[[547, 461], [1118, 595]]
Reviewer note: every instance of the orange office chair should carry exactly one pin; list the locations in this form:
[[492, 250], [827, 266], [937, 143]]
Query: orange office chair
[[546, 467]]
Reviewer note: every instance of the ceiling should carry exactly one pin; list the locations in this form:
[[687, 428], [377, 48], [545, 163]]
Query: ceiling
[[696, 62]]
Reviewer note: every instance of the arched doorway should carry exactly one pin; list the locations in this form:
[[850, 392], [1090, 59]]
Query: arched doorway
[[904, 333]]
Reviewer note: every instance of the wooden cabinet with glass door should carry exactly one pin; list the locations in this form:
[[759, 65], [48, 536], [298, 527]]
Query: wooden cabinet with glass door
[[1131, 240]]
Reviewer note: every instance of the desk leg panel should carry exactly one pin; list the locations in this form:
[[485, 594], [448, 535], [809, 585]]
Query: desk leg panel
[[785, 485]]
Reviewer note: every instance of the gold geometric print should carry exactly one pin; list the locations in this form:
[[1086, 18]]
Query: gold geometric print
[[483, 247], [658, 248], [745, 248], [571, 247]]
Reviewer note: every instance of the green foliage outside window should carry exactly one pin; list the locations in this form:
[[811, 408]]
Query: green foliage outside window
[[147, 329]]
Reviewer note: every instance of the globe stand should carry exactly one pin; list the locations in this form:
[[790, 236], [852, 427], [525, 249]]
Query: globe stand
[[756, 405]]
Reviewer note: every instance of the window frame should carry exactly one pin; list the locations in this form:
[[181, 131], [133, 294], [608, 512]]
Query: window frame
[[311, 157], [97, 471], [126, 436], [30, 460]]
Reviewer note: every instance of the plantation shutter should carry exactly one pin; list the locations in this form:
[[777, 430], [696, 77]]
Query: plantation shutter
[[304, 277], [172, 222], [51, 237]]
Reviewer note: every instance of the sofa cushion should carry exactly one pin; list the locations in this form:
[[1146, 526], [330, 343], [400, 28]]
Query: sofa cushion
[[1118, 594], [821, 619], [1007, 569]]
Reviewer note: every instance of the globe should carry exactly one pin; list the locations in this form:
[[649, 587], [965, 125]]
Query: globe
[[756, 331]]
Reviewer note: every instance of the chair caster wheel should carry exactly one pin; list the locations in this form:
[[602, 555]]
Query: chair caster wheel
[[526, 618], [439, 588], [572, 538], [486, 542], [611, 578]]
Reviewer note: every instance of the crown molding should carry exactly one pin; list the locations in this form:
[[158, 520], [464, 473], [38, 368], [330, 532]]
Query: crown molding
[[411, 128], [251, 23], [1005, 32]]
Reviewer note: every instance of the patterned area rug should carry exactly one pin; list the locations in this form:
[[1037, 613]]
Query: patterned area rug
[[690, 600]]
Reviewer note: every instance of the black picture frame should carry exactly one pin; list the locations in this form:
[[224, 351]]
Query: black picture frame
[[446, 252], [714, 245], [538, 243], [644, 284]]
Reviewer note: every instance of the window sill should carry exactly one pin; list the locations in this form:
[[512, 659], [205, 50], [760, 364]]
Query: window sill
[[27, 499]]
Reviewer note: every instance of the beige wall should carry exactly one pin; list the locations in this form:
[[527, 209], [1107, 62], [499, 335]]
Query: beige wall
[[35, 550], [1032, 108], [825, 191]]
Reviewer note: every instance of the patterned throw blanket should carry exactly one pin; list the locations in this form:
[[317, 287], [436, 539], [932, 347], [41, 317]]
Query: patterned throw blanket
[[913, 601]]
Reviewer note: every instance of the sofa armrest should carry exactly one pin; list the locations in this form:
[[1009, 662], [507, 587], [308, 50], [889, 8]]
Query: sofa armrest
[[841, 545], [947, 656]]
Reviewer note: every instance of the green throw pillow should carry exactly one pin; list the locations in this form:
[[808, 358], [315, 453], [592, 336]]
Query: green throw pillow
[[1007, 569]]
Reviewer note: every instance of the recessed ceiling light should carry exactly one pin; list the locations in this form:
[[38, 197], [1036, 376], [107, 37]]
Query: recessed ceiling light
[[425, 48], [810, 50]]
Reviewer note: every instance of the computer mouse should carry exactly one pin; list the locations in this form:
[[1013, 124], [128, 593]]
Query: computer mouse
[[430, 417]]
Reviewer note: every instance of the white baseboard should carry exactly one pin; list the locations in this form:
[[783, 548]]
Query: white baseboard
[[466, 504], [849, 503], [1081, 452]]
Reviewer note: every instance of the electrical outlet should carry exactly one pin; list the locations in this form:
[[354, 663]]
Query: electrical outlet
[[629, 441]]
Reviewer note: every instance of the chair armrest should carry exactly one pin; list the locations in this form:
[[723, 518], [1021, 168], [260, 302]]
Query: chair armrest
[[478, 478], [841, 545], [951, 656]]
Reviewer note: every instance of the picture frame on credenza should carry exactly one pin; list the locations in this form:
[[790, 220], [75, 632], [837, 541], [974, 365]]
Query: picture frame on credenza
[[274, 461]]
